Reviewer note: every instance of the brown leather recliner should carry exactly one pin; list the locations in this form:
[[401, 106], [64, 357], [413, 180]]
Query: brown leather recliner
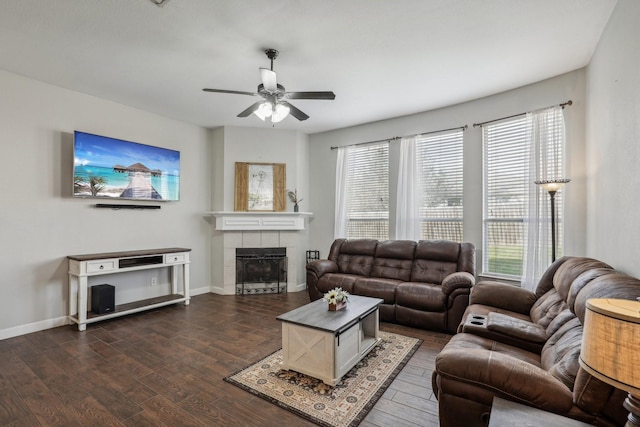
[[472, 369], [424, 284]]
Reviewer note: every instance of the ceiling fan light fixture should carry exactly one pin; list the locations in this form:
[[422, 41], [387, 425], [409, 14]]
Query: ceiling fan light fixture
[[279, 113], [263, 111], [274, 95]]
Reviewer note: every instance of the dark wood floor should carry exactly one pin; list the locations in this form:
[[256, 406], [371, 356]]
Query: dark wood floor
[[165, 368]]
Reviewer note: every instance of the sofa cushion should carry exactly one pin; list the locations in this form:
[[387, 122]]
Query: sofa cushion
[[438, 250], [570, 270], [356, 256], [397, 249], [394, 259], [377, 288], [561, 352], [547, 307], [421, 296], [613, 285], [434, 260], [583, 280]]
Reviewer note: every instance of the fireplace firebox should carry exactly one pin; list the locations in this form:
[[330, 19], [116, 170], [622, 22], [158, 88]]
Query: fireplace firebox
[[261, 270]]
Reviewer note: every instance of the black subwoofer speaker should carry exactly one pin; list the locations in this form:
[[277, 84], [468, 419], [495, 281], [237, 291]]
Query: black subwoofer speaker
[[103, 299]]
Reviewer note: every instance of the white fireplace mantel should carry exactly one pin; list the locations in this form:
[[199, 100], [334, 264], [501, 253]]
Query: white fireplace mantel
[[248, 221]]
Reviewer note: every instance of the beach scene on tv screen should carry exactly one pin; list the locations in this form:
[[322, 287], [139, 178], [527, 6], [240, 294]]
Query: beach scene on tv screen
[[109, 167]]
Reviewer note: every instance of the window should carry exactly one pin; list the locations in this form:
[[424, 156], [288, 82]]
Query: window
[[367, 184], [507, 183], [440, 167]]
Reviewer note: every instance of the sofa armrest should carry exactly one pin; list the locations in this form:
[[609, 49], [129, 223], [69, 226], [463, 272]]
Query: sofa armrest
[[502, 295], [315, 270], [457, 280], [321, 267]]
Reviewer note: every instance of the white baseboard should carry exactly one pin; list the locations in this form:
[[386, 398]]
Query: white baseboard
[[200, 291], [301, 287], [33, 327], [219, 290]]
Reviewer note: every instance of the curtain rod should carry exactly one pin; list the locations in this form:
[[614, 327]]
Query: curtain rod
[[395, 138], [564, 104]]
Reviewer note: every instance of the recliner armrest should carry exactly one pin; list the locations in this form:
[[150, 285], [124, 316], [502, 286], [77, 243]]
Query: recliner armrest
[[457, 280], [502, 295], [516, 328]]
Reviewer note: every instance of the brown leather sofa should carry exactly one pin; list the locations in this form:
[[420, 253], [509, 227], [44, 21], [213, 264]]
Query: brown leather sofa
[[524, 346], [424, 284]]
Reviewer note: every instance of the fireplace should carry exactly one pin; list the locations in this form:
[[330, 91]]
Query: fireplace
[[261, 270]]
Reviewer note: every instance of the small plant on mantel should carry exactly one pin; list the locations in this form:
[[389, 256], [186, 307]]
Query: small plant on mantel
[[293, 196], [337, 299]]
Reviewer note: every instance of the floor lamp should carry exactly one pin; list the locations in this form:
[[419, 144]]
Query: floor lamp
[[552, 186]]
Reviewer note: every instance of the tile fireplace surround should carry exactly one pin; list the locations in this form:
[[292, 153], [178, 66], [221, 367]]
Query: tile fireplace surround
[[260, 230]]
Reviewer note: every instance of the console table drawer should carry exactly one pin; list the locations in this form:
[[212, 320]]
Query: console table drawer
[[175, 258], [100, 266]]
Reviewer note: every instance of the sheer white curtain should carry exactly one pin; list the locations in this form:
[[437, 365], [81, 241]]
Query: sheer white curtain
[[408, 225], [546, 161], [341, 220]]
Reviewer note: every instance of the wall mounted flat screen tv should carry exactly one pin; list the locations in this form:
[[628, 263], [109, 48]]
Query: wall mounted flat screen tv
[[113, 168]]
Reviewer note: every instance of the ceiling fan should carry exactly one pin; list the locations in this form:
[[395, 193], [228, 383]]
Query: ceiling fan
[[273, 103]]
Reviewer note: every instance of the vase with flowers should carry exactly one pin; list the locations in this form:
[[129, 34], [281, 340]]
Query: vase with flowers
[[337, 299], [293, 196]]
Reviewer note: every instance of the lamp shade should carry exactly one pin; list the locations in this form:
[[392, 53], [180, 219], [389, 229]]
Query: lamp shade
[[263, 111], [279, 113], [552, 184], [610, 342]]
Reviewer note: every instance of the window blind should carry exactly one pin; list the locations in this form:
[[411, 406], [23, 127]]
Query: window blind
[[440, 167], [506, 163], [368, 192]]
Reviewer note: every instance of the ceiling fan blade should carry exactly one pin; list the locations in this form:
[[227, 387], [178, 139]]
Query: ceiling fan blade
[[268, 79], [236, 92], [295, 112], [311, 95], [248, 111]]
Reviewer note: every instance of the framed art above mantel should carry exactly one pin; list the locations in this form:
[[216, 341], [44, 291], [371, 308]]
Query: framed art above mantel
[[260, 187]]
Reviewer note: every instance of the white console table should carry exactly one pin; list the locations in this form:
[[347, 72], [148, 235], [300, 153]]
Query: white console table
[[81, 267]]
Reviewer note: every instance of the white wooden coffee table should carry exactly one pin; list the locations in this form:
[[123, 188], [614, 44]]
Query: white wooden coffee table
[[326, 344]]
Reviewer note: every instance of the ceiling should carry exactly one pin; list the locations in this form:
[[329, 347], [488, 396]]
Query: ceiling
[[382, 58]]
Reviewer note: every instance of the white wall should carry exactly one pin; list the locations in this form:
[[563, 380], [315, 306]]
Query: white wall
[[546, 93], [41, 223], [613, 142]]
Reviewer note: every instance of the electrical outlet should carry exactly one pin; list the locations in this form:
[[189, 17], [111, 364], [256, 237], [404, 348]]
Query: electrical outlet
[[154, 281]]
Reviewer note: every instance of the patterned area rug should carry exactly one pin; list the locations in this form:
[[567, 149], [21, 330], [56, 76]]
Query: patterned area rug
[[345, 404]]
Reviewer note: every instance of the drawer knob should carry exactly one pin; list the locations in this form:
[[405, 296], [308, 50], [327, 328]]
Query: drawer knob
[[175, 259], [102, 267]]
